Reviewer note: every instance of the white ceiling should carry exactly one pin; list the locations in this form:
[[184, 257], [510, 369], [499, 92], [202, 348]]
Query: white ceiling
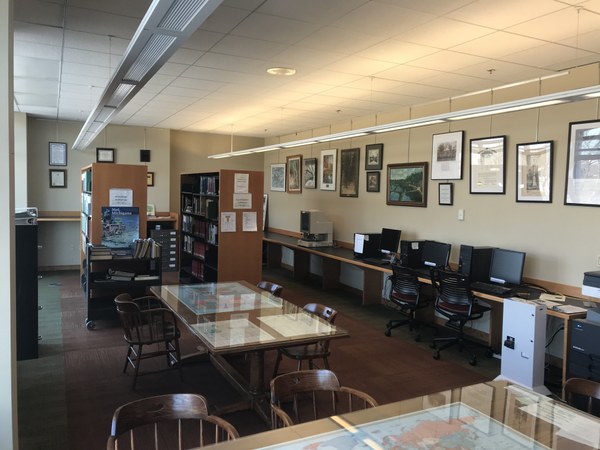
[[353, 58]]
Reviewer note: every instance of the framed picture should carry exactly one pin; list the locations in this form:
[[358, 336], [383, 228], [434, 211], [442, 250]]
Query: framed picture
[[582, 186], [488, 158], [374, 157], [534, 172], [294, 174], [327, 169], [278, 177], [105, 155], [310, 173], [446, 156], [407, 184], [57, 153], [445, 193], [373, 181], [349, 162], [58, 178], [149, 178]]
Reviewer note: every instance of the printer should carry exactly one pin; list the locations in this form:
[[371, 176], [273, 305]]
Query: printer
[[591, 284]]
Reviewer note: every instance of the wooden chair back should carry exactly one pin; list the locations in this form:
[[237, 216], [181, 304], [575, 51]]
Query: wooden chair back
[[268, 286], [328, 314], [181, 419], [306, 395], [143, 319], [583, 394]]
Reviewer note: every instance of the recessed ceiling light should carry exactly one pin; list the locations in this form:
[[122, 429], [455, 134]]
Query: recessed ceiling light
[[282, 71]]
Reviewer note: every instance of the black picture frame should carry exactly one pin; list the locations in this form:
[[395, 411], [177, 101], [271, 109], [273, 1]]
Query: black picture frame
[[407, 184], [582, 187], [488, 165], [447, 155], [445, 193], [349, 171], [374, 157], [149, 178], [105, 155], [373, 181], [57, 153], [534, 172], [309, 177], [58, 178]]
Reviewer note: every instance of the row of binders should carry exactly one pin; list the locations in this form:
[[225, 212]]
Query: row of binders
[[146, 248]]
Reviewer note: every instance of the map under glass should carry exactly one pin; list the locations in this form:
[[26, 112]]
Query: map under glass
[[448, 427]]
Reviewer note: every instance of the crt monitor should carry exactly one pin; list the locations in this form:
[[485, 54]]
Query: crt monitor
[[506, 266], [390, 241], [436, 254], [314, 222]]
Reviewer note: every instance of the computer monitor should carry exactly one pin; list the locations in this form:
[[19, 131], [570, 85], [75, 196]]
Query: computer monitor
[[436, 254], [314, 222], [507, 266], [390, 241]]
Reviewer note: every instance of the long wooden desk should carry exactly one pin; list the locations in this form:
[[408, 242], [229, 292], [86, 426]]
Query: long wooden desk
[[486, 415], [333, 257]]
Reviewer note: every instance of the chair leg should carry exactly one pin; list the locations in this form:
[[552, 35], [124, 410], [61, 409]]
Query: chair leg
[[127, 359], [277, 361], [137, 365]]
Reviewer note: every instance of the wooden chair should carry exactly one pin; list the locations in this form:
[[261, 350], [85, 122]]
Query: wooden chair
[[268, 286], [145, 423], [583, 394], [407, 298], [313, 394], [145, 323], [309, 352], [456, 302]]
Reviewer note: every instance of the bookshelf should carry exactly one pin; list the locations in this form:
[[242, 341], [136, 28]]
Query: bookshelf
[[212, 250]]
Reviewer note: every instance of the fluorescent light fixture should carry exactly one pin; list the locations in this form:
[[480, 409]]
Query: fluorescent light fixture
[[297, 144], [391, 127], [266, 149], [338, 137], [492, 110], [166, 25]]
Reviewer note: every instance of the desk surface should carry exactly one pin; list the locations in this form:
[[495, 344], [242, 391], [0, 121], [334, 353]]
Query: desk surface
[[487, 415], [236, 316]]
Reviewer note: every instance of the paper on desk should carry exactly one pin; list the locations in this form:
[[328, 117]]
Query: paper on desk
[[300, 324]]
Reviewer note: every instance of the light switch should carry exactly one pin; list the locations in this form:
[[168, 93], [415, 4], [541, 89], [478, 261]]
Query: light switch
[[461, 214]]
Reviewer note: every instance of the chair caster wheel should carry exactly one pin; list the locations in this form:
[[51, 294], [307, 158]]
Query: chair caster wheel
[[90, 324], [436, 355], [388, 333]]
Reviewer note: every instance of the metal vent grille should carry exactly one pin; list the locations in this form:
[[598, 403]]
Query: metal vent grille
[[153, 51], [180, 14]]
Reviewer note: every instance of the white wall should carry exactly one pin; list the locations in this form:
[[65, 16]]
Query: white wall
[[20, 135]]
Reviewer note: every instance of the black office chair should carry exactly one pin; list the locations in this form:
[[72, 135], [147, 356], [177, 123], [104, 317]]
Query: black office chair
[[456, 302], [407, 298]]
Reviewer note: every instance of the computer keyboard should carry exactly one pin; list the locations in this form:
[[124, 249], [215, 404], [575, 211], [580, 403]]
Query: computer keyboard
[[377, 261], [493, 289]]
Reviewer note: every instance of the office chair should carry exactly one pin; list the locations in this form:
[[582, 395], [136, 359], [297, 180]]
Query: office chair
[[583, 394], [271, 287], [181, 419], [146, 322], [312, 394], [407, 298], [456, 302], [309, 352]]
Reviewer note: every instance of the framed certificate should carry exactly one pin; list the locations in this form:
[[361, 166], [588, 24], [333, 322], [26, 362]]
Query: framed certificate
[[57, 153]]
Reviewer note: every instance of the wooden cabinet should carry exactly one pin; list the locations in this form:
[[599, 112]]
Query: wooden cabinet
[[212, 250]]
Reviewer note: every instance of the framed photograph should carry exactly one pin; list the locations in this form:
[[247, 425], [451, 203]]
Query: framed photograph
[[373, 181], [294, 174], [278, 177], [349, 162], [105, 155], [446, 156], [310, 173], [488, 157], [374, 157], [534, 172], [58, 178], [57, 153], [407, 184], [149, 178], [445, 193], [327, 169], [582, 186]]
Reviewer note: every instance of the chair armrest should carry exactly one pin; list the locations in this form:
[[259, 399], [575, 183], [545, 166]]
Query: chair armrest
[[279, 415], [148, 302], [366, 398]]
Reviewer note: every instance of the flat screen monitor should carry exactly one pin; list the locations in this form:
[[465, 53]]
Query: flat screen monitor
[[506, 266], [436, 254], [390, 241]]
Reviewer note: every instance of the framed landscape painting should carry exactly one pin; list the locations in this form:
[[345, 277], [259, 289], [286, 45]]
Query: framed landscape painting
[[407, 184], [294, 174], [349, 162], [278, 177], [310, 173]]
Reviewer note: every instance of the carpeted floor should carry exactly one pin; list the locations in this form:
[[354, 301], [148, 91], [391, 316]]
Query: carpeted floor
[[68, 395]]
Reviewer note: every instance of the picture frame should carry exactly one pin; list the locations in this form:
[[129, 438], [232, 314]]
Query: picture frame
[[447, 155], [327, 169], [57, 153], [149, 178], [349, 172], [58, 178], [373, 181], [310, 173], [534, 172], [105, 155], [278, 177], [582, 186], [374, 157], [445, 193], [488, 160], [407, 184], [294, 174]]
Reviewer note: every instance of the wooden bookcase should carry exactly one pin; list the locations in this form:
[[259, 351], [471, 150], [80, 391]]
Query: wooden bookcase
[[209, 252]]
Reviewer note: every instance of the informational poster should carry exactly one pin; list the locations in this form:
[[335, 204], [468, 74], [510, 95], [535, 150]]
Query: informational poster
[[249, 221], [242, 201], [241, 183], [120, 226], [228, 222], [120, 197]]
